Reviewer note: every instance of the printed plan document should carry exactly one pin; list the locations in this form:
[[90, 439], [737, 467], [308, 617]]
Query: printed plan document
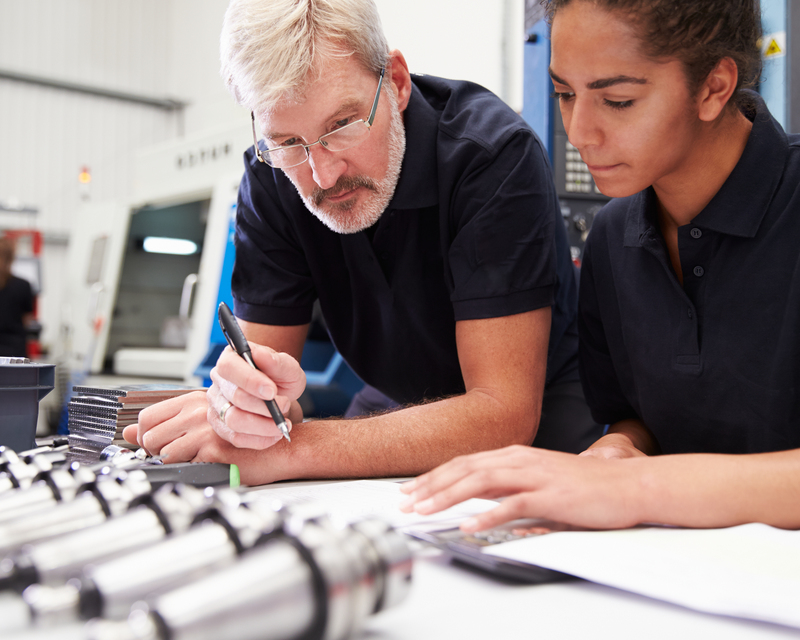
[[750, 571], [350, 500]]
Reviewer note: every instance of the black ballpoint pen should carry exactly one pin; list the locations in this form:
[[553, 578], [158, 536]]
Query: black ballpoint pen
[[235, 337]]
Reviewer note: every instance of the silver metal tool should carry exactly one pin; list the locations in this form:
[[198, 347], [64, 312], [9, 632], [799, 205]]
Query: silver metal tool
[[19, 472], [150, 518], [60, 484], [109, 588], [321, 585], [105, 496]]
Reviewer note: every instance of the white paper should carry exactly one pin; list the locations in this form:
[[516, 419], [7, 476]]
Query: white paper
[[749, 571], [368, 498]]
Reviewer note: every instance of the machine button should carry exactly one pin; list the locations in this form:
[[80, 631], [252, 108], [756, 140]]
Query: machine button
[[696, 233], [698, 271]]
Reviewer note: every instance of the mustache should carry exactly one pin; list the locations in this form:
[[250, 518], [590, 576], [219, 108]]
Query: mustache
[[345, 183]]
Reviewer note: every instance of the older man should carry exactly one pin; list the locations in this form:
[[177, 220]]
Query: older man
[[420, 213]]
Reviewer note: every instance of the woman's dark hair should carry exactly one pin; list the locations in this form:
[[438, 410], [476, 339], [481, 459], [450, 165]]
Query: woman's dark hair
[[699, 33]]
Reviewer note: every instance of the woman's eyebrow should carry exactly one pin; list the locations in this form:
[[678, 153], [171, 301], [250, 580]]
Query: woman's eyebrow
[[603, 83]]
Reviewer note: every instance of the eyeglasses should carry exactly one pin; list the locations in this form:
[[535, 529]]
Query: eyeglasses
[[343, 138]]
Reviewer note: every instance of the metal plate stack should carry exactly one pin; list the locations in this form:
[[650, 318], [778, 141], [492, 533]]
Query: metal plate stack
[[97, 415]]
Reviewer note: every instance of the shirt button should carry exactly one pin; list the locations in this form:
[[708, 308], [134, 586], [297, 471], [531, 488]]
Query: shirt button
[[696, 233], [698, 271], [690, 314]]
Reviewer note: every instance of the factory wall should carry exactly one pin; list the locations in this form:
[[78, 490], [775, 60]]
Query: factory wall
[[168, 49]]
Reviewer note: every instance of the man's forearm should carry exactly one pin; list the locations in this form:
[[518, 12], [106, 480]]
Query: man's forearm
[[713, 490], [405, 442]]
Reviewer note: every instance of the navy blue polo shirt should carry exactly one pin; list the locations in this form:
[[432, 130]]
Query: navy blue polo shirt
[[473, 231], [713, 365]]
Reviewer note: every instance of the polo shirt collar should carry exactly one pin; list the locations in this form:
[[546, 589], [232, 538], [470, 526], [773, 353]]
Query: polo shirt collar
[[740, 205], [417, 187]]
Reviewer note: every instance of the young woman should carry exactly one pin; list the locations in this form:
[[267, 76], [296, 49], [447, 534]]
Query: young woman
[[690, 286]]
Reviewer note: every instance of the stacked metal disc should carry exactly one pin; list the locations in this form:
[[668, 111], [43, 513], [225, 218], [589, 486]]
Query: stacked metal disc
[[97, 415]]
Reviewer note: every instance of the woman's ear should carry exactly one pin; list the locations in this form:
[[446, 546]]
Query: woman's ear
[[717, 89]]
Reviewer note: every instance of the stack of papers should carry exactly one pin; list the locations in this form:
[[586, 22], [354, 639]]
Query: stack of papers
[[97, 415], [357, 499], [750, 571]]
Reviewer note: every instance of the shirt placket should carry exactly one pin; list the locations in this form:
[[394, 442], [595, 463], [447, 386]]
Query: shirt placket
[[686, 349]]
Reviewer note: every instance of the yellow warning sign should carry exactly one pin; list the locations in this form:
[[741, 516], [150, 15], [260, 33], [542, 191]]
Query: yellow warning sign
[[773, 49], [774, 44]]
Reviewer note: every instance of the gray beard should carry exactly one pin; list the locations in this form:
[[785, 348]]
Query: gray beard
[[352, 216]]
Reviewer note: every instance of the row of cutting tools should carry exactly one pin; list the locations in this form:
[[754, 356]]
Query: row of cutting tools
[[93, 552]]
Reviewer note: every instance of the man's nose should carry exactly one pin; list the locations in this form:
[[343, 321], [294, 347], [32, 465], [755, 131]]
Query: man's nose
[[326, 166]]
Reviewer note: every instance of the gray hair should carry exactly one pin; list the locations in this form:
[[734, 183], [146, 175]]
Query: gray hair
[[269, 49]]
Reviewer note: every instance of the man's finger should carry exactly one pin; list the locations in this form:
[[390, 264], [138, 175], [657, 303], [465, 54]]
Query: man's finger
[[236, 371]]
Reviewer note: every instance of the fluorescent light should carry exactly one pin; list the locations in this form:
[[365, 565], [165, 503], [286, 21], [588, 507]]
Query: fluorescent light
[[173, 246]]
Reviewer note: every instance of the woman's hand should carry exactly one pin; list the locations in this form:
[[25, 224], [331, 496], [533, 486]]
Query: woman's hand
[[536, 483]]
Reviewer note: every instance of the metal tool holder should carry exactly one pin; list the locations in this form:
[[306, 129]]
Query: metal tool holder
[[110, 588], [150, 518], [181, 563], [320, 584], [92, 502]]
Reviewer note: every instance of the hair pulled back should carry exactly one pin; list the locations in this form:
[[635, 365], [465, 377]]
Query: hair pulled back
[[699, 33]]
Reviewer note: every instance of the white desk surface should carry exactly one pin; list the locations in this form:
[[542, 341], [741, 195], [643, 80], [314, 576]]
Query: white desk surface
[[447, 600], [450, 601]]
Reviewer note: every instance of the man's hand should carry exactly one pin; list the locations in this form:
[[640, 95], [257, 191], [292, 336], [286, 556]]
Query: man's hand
[[625, 439], [181, 428], [240, 391], [178, 430], [539, 484], [614, 446], [167, 421]]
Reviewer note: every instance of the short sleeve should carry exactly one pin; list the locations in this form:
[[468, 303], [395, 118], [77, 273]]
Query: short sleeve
[[502, 258], [271, 281]]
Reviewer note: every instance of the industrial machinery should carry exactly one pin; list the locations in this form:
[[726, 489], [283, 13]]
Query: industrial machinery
[[101, 546]]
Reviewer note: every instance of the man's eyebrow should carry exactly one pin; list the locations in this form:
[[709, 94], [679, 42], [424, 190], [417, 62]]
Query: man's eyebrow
[[347, 106], [603, 83]]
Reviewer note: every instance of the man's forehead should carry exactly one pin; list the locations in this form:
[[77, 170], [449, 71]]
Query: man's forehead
[[328, 91]]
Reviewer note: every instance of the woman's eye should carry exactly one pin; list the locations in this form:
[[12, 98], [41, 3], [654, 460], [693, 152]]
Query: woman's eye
[[618, 106], [563, 96]]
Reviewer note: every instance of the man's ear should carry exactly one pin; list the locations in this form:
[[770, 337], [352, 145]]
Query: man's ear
[[400, 78], [717, 89]]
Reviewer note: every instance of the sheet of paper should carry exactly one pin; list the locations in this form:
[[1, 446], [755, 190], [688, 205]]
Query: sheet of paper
[[362, 498], [749, 571]]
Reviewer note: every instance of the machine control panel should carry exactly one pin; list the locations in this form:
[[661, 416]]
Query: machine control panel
[[577, 178]]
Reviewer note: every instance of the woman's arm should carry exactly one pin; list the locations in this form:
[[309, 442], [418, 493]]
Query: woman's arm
[[691, 490]]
